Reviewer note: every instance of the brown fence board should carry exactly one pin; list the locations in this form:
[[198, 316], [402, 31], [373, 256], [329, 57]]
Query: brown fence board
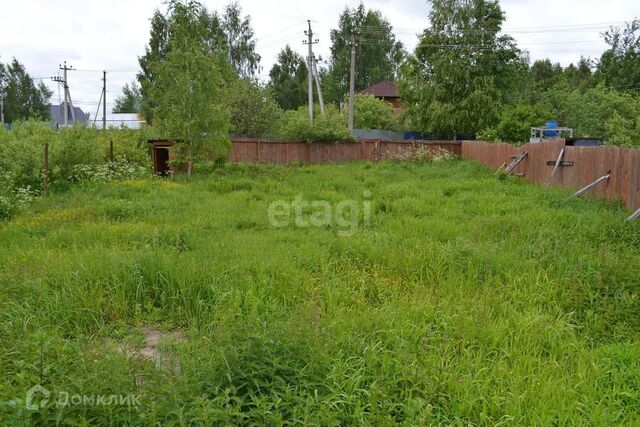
[[248, 150]]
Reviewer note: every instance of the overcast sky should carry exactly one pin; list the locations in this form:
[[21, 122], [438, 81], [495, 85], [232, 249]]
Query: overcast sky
[[94, 35]]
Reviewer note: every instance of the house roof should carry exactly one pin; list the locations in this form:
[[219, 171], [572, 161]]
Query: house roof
[[383, 89], [57, 114]]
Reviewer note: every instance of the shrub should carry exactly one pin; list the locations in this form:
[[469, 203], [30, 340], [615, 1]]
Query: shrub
[[374, 113], [516, 123], [73, 146], [6, 208], [596, 113], [120, 168], [621, 131], [328, 127], [76, 154], [488, 135]]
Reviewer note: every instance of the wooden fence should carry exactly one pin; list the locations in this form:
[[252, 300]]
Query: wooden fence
[[275, 151], [580, 167]]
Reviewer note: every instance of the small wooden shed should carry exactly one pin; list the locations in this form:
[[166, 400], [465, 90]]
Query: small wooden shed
[[162, 152]]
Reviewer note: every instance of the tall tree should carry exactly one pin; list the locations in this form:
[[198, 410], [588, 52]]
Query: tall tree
[[545, 74], [130, 100], [579, 76], [378, 53], [288, 78], [231, 34], [240, 40], [188, 88], [22, 97], [462, 69], [203, 29], [619, 66]]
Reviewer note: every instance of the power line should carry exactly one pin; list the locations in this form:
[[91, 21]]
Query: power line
[[279, 41], [121, 70], [279, 32]]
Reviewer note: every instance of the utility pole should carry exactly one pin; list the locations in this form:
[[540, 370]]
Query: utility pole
[[67, 94], [352, 82], [104, 101], [310, 42], [315, 71], [64, 104]]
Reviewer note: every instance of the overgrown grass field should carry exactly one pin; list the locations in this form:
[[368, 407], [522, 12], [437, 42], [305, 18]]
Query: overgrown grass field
[[466, 300]]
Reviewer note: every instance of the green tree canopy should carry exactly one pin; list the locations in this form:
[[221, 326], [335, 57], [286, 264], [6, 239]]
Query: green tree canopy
[[130, 100], [619, 66], [240, 41], [545, 74], [580, 76], [254, 113], [462, 69], [589, 112], [288, 79], [23, 99], [229, 35], [378, 52]]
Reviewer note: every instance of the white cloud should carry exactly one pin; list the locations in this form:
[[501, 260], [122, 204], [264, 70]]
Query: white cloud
[[96, 35]]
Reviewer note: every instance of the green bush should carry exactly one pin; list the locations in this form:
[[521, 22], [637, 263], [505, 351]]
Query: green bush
[[21, 154], [374, 113], [488, 135], [516, 123], [597, 112], [6, 207], [75, 154], [621, 131], [328, 127]]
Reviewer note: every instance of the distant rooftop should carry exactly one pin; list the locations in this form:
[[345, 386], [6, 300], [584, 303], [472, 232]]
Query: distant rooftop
[[57, 114], [383, 89]]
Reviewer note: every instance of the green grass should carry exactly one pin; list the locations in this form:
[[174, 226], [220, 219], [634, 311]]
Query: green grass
[[467, 301]]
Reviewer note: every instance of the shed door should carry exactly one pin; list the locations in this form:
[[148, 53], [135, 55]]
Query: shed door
[[161, 159]]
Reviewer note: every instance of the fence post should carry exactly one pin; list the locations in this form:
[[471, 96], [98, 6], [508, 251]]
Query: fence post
[[111, 151], [45, 172]]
